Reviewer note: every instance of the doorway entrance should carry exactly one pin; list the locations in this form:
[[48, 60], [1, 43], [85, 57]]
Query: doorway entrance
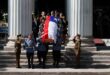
[[48, 5], [101, 18]]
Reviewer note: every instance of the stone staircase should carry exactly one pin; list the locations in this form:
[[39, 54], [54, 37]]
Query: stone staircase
[[90, 57], [2, 43], [93, 61], [8, 58]]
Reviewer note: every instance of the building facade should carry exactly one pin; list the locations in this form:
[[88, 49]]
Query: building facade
[[79, 16]]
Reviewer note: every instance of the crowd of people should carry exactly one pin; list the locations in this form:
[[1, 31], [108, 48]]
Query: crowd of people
[[41, 23], [48, 28]]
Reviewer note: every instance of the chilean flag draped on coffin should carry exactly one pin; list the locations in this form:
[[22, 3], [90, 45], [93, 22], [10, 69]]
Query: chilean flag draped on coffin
[[50, 29]]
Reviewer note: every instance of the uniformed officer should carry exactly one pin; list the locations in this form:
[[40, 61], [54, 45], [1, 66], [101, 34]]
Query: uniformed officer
[[77, 46], [29, 46], [18, 50]]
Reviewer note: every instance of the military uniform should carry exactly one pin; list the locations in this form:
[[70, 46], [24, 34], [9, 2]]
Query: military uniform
[[18, 52], [77, 51], [29, 46]]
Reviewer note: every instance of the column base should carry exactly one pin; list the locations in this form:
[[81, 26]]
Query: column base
[[12, 38], [10, 44]]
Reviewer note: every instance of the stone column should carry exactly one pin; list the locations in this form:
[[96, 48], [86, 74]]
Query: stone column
[[33, 5], [88, 17], [20, 17], [79, 15]]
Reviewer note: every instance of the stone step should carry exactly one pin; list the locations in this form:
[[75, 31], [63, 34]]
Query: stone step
[[97, 54], [87, 58], [24, 51], [50, 56], [96, 57], [68, 52], [72, 52], [25, 65], [90, 65], [84, 43], [90, 49], [23, 56], [48, 60], [63, 50], [67, 71], [82, 61], [87, 61], [54, 71], [62, 65], [12, 48], [96, 65]]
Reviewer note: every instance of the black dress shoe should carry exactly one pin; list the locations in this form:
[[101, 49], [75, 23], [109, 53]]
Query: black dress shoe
[[32, 66], [29, 66], [43, 66]]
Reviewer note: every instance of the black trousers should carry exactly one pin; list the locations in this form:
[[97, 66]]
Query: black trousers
[[42, 57], [18, 52], [56, 57], [30, 57], [78, 58], [47, 48]]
